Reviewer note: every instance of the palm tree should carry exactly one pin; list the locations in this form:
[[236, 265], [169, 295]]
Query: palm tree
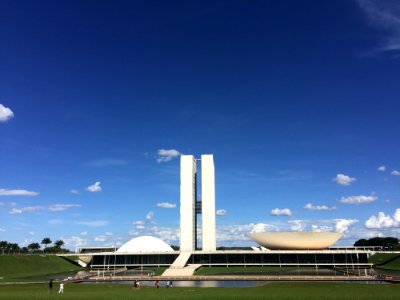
[[45, 242], [58, 244]]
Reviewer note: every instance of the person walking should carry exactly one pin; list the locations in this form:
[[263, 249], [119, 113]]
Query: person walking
[[50, 285], [156, 284], [61, 290]]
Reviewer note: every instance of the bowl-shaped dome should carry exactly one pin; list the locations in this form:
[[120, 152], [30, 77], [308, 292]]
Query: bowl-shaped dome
[[296, 240], [145, 244]]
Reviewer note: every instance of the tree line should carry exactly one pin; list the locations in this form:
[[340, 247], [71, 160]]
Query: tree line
[[387, 243], [33, 248]]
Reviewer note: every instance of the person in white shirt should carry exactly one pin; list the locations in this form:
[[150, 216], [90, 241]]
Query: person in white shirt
[[61, 290]]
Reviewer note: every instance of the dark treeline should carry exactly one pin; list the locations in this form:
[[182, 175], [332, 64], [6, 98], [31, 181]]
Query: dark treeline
[[385, 242], [33, 248]]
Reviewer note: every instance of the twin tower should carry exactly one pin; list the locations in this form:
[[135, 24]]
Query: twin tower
[[191, 207]]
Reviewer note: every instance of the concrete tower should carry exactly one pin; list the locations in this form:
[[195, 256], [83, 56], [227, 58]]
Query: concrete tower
[[190, 207], [208, 202], [188, 203]]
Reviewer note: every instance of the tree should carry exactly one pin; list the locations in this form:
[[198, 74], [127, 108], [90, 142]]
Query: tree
[[3, 246], [45, 242], [34, 246], [58, 244]]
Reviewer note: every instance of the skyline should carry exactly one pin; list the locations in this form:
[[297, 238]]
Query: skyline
[[298, 102]]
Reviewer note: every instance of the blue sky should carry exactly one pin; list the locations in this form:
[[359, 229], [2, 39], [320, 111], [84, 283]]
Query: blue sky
[[297, 100]]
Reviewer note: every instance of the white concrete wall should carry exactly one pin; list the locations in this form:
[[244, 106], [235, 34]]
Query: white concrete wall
[[208, 202], [187, 207]]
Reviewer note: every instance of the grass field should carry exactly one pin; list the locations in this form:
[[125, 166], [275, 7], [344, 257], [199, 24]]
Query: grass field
[[273, 290], [24, 267], [386, 261]]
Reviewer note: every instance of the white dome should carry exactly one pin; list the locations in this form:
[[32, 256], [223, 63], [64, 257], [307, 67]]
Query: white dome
[[145, 244]]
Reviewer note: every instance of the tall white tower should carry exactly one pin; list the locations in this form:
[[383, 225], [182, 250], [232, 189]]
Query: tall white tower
[[189, 207], [208, 202], [188, 203]]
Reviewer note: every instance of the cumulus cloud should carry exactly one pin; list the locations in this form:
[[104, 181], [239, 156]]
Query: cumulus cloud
[[395, 173], [73, 191], [166, 205], [221, 212], [344, 180], [74, 242], [360, 199], [310, 206], [5, 113], [343, 225], [5, 192], [382, 168], [321, 228], [165, 155], [382, 221], [384, 15], [84, 233], [281, 212], [94, 188], [297, 225], [98, 223]]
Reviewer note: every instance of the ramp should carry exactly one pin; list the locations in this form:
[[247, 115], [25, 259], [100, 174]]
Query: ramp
[[179, 268]]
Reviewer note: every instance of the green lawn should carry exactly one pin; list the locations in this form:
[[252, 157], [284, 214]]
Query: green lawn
[[273, 290], [23, 267], [386, 261]]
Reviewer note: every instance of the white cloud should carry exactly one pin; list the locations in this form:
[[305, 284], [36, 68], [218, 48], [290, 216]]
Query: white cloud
[[382, 168], [62, 207], [344, 180], [4, 192], [51, 208], [360, 199], [166, 205], [76, 192], [108, 233], [84, 233], [94, 188], [395, 173], [2, 229], [321, 228], [281, 212], [15, 211], [98, 223], [165, 155], [138, 223], [100, 238], [385, 15], [342, 225], [310, 206], [382, 221], [297, 225], [149, 216], [31, 233], [74, 242], [5, 113], [1, 203], [221, 212]]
